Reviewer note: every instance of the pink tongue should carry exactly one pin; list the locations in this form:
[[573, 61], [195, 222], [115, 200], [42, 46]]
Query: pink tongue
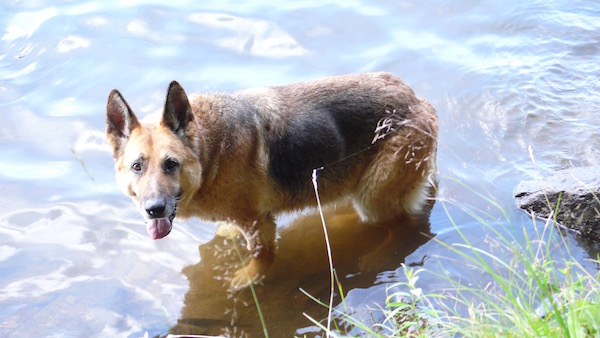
[[158, 228]]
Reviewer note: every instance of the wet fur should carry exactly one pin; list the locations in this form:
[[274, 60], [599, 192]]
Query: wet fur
[[249, 155]]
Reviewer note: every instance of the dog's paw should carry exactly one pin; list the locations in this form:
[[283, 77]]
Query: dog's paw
[[252, 273], [367, 262], [227, 230], [246, 276]]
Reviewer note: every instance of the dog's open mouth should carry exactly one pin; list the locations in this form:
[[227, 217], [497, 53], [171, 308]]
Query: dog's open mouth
[[160, 227]]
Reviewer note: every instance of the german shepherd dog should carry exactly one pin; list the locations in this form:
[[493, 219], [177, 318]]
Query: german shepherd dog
[[246, 156]]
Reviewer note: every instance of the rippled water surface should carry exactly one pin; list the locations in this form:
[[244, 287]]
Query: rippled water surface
[[508, 79]]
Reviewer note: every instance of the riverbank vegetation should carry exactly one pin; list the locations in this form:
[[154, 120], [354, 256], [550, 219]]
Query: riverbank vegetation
[[531, 294]]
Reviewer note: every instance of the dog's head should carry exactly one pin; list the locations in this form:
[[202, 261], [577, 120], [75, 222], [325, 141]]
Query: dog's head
[[156, 163]]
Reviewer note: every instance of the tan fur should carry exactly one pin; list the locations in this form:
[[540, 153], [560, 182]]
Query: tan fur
[[224, 145]]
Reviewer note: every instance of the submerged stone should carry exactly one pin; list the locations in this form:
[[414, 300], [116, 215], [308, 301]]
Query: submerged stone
[[576, 191]]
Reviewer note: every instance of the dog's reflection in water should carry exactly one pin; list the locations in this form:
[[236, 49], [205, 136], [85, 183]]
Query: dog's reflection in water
[[360, 252]]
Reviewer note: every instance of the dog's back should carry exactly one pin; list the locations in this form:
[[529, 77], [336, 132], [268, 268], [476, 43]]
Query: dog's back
[[368, 134]]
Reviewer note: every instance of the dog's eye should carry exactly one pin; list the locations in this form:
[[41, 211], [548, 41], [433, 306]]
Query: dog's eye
[[136, 167], [170, 165]]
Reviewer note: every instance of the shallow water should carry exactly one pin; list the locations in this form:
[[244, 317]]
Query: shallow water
[[508, 79]]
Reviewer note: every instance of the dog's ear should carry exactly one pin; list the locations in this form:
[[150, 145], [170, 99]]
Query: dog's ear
[[120, 121], [178, 112]]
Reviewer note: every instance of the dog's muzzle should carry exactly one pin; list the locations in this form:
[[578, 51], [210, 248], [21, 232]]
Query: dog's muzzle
[[159, 224]]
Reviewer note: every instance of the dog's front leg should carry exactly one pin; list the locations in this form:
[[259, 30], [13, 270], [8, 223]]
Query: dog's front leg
[[260, 236]]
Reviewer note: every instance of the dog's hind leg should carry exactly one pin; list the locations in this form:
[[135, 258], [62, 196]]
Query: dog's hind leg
[[396, 186], [260, 237], [399, 214], [399, 179]]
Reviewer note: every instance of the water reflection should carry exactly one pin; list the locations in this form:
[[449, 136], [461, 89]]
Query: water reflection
[[300, 263]]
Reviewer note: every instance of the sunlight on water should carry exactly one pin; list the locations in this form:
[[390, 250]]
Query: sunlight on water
[[28, 171], [26, 23], [75, 259], [261, 38]]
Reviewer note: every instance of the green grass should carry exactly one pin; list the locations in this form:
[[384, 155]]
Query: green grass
[[535, 296], [536, 289]]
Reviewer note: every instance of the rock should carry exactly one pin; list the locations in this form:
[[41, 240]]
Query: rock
[[577, 191]]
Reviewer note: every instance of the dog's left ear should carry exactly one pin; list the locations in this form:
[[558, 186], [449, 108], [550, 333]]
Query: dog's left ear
[[178, 112]]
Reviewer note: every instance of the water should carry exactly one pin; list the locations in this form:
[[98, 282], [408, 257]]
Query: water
[[506, 78]]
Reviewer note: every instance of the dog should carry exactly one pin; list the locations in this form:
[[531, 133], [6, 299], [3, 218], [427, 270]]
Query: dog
[[246, 156]]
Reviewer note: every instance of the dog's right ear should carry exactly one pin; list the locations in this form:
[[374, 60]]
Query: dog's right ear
[[120, 121]]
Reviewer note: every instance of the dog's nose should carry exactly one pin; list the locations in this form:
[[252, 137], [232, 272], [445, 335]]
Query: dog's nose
[[156, 208]]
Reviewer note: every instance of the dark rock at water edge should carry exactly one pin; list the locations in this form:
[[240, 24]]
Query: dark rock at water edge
[[576, 190]]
